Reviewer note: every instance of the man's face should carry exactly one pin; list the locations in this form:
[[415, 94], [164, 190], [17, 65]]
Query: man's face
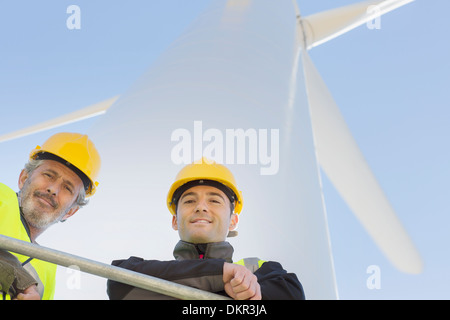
[[48, 194], [203, 215]]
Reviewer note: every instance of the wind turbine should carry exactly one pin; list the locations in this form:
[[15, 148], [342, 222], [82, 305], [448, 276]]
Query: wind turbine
[[241, 70]]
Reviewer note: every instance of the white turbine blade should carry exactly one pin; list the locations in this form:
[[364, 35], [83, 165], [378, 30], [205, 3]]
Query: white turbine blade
[[347, 169], [82, 114], [324, 26]]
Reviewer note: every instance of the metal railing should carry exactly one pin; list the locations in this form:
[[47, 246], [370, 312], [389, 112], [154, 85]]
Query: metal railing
[[107, 271]]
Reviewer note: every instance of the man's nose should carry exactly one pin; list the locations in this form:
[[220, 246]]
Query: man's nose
[[53, 189], [201, 206]]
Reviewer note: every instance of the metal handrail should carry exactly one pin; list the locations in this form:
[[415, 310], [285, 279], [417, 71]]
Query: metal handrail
[[107, 271]]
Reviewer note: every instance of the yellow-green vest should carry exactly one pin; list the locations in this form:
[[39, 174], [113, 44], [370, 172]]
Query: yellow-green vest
[[251, 264], [11, 225]]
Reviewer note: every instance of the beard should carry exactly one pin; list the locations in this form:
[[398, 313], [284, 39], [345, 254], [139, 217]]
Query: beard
[[36, 215]]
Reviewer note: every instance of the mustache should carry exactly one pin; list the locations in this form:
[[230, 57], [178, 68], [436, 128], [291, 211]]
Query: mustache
[[47, 197]]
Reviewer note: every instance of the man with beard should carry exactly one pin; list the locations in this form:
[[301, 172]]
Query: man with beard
[[54, 185]]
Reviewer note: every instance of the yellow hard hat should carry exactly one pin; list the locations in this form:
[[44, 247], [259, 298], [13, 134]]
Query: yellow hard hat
[[204, 172], [77, 152]]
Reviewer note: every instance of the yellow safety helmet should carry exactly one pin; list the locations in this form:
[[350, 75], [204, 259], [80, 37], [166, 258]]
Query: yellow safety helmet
[[77, 152], [205, 172]]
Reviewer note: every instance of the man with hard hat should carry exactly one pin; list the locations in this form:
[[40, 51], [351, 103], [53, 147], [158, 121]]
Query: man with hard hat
[[54, 184], [205, 204]]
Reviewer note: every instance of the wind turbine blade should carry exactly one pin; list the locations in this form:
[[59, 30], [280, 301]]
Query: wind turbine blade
[[347, 169], [82, 114], [324, 26]]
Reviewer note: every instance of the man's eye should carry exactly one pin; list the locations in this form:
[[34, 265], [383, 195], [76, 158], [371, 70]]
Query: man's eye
[[69, 189]]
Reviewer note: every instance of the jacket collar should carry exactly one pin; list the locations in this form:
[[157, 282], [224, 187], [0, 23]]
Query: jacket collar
[[214, 250]]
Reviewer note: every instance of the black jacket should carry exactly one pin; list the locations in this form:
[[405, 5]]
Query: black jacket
[[201, 266]]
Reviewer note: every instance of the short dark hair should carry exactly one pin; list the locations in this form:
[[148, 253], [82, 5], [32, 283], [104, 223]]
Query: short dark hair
[[203, 182]]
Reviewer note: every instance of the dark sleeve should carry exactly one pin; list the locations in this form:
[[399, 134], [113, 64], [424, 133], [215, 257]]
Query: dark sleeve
[[13, 277], [201, 274], [277, 284]]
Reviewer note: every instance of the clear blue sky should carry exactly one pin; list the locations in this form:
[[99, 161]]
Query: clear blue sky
[[391, 85]]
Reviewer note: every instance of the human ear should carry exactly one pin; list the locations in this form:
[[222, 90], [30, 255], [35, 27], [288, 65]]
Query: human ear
[[174, 222], [233, 221], [22, 178], [70, 213]]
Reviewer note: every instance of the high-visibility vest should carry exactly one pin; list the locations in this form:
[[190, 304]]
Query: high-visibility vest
[[11, 225], [251, 264]]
